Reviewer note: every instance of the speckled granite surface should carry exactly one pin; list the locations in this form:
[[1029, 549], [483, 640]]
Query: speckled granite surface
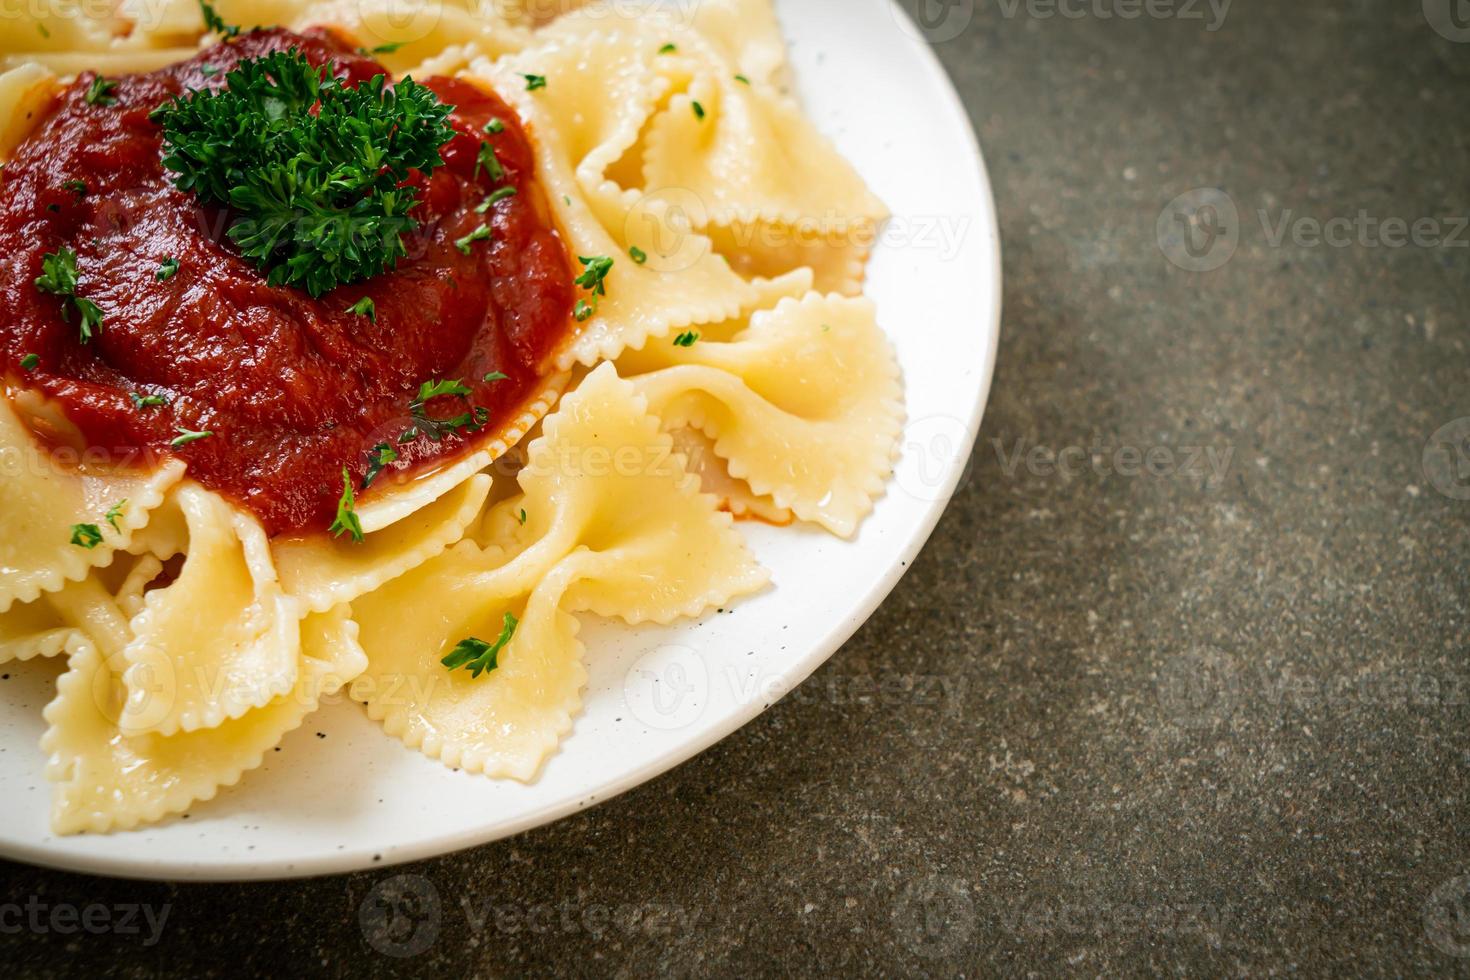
[[1197, 704]]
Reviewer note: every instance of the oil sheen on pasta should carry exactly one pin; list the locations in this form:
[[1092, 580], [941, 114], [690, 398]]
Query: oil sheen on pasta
[[292, 388]]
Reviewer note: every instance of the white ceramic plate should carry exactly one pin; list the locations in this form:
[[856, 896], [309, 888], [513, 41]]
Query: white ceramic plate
[[339, 795]]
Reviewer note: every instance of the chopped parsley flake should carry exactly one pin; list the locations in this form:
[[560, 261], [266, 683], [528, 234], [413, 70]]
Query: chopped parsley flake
[[522, 517], [490, 201], [379, 458], [59, 278], [638, 254], [583, 311], [100, 92], [166, 269], [698, 110], [533, 82], [742, 79], [686, 339], [347, 521], [86, 536], [388, 48], [595, 276], [313, 170], [477, 655], [669, 48], [78, 187], [437, 429], [30, 362], [44, 32], [490, 162], [495, 376], [147, 401], [478, 235], [214, 23], [495, 126], [116, 511], [186, 436], [365, 307], [208, 71]]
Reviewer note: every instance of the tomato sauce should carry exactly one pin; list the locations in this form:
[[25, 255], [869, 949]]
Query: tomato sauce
[[293, 388]]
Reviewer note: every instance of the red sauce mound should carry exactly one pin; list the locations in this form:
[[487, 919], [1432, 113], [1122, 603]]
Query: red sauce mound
[[293, 388]]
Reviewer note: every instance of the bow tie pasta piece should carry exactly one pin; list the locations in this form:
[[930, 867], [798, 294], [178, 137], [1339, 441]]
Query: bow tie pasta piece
[[323, 572], [390, 501], [599, 92], [735, 496], [804, 405], [750, 154], [107, 779], [223, 637], [414, 31], [41, 627], [613, 524], [47, 508], [748, 35]]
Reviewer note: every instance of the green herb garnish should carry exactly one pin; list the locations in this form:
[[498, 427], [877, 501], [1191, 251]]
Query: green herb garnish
[[208, 71], [638, 254], [669, 48], [186, 436], [347, 522], [388, 48], [312, 169], [522, 517], [495, 126], [86, 536], [742, 79], [686, 339], [147, 401], [215, 24], [533, 82], [114, 512], [490, 162], [437, 429], [30, 362], [100, 92], [583, 311], [698, 110], [595, 275], [478, 235], [479, 656], [498, 195], [495, 376], [365, 307], [379, 458], [78, 187], [59, 278], [166, 269]]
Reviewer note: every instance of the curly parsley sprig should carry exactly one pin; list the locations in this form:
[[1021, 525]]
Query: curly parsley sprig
[[313, 169]]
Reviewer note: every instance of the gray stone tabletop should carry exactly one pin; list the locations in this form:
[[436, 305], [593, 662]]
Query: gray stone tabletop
[[1185, 668]]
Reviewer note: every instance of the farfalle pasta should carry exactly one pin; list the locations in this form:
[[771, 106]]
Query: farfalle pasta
[[551, 300]]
